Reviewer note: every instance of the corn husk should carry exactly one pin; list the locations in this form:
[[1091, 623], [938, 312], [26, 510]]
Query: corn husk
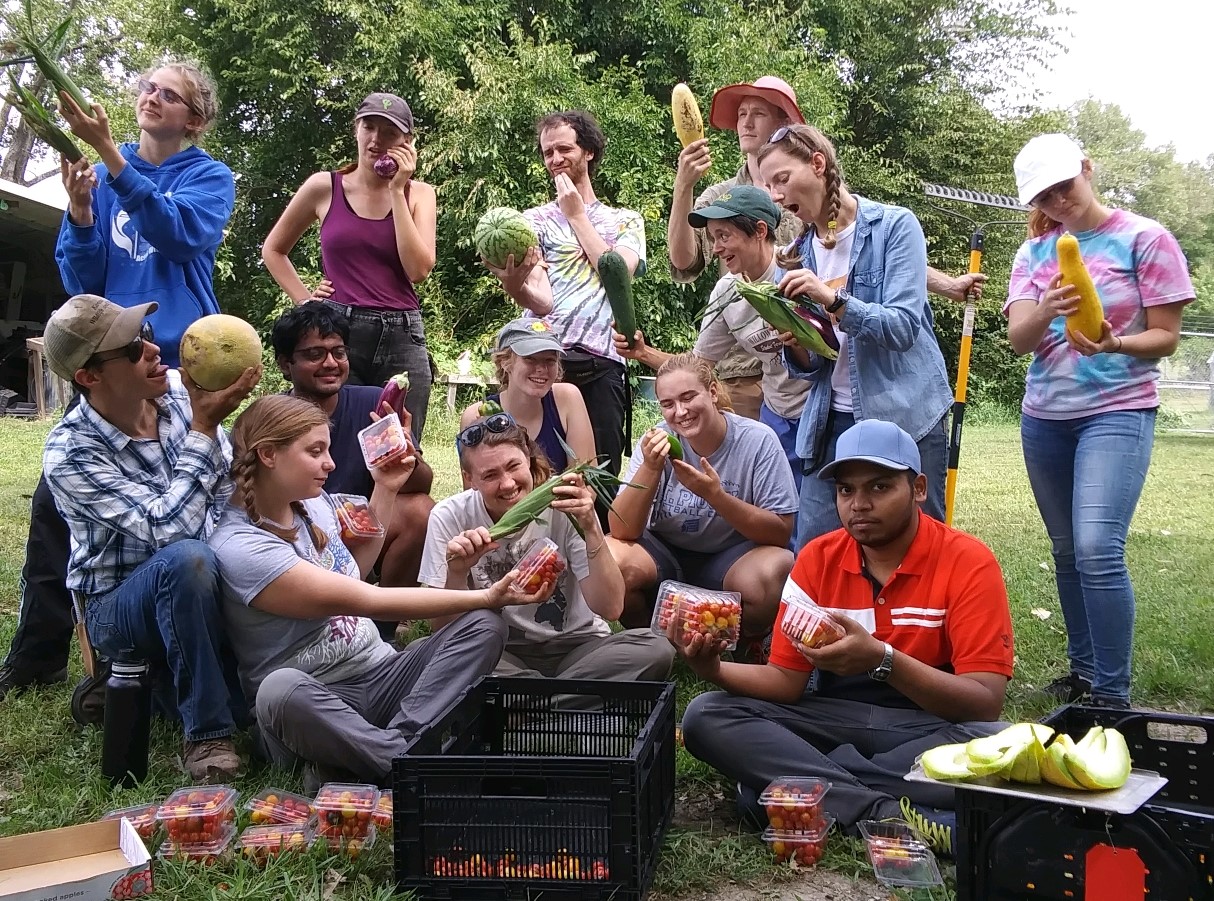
[[780, 313], [40, 123]]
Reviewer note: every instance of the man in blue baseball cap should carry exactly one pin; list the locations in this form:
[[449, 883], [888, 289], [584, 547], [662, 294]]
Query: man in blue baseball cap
[[904, 624]]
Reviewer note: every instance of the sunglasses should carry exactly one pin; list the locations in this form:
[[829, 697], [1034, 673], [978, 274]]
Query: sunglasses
[[132, 352], [168, 95], [341, 353], [1055, 191], [780, 134], [475, 433]]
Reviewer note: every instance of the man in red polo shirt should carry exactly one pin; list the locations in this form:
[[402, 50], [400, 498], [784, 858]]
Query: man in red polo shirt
[[924, 660]]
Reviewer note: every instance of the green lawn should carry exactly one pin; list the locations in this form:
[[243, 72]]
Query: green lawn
[[48, 768]]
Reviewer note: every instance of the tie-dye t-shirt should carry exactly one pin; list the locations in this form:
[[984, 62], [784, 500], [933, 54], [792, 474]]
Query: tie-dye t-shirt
[[1135, 263], [580, 312]]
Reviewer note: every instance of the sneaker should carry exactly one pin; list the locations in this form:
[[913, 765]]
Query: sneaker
[[1069, 688], [1108, 702], [935, 825], [211, 760], [12, 680], [750, 811]]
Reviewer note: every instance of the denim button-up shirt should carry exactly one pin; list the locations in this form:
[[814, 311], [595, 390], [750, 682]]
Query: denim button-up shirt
[[896, 368]]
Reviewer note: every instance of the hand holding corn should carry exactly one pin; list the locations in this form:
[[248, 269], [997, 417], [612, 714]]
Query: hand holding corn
[[92, 126], [575, 499]]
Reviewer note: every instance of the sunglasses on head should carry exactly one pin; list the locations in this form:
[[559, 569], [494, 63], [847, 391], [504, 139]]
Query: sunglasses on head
[[132, 352], [168, 95], [475, 433], [780, 134]]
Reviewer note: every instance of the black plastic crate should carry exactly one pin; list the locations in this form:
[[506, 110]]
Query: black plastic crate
[[530, 787], [1010, 849]]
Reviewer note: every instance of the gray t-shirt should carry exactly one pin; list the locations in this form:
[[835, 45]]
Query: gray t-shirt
[[564, 615], [752, 467], [329, 648]]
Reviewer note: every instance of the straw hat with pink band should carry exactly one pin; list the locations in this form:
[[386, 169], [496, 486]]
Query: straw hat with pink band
[[779, 93]]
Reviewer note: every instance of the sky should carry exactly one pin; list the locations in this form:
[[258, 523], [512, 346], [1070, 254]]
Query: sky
[[1154, 59]]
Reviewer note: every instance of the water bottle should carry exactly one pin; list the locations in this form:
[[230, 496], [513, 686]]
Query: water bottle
[[128, 717]]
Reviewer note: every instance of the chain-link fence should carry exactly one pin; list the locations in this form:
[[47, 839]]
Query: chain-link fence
[[1186, 379]]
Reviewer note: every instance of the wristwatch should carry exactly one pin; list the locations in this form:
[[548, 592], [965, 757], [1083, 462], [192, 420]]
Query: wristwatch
[[881, 673], [841, 297]]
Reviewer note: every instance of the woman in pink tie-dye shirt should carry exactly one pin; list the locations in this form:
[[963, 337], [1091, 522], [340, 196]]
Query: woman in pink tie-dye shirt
[[1088, 418]]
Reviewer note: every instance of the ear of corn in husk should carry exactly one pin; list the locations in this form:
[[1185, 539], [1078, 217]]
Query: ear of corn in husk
[[780, 313], [40, 122]]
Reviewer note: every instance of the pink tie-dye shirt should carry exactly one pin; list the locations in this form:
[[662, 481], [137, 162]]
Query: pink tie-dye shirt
[[1135, 263], [580, 313]]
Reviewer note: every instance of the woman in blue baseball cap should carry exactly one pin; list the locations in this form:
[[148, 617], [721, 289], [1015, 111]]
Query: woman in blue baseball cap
[[742, 223]]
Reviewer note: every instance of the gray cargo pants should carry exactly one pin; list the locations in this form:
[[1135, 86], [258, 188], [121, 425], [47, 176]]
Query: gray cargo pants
[[634, 655]]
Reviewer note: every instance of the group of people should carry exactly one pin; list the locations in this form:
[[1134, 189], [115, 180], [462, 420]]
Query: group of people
[[220, 559]]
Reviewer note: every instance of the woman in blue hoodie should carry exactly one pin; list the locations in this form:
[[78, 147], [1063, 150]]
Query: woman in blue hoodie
[[146, 221]]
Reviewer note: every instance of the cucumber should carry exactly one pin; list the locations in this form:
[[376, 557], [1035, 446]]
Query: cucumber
[[617, 282]]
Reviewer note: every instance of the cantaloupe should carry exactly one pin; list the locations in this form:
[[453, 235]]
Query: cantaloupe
[[217, 349]]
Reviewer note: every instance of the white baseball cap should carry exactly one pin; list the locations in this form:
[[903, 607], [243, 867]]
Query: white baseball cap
[[1044, 162]]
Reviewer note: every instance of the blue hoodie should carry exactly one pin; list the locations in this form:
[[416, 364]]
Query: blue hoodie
[[155, 233]]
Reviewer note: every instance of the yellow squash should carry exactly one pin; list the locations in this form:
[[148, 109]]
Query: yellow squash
[[1088, 320], [688, 123]]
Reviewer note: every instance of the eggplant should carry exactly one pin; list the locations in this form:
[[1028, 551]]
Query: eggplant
[[825, 327], [394, 393]]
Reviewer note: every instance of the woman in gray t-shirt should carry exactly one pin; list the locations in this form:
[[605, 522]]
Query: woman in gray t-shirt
[[324, 687], [720, 517]]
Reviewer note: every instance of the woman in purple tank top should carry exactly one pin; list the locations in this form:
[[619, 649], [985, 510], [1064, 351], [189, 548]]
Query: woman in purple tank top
[[377, 241], [528, 362]]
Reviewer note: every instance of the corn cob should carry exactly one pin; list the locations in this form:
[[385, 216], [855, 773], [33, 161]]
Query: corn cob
[[688, 123]]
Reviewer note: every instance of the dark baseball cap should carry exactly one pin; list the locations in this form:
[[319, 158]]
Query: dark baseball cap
[[391, 107], [746, 200]]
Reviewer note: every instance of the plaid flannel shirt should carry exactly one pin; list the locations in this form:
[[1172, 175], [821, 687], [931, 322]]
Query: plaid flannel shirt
[[126, 498]]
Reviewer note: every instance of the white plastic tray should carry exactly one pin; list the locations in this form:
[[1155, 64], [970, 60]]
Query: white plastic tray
[[1138, 789]]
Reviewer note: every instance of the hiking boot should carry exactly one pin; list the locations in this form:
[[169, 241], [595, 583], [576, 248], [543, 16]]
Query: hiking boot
[[935, 825], [1069, 688], [211, 760], [16, 681], [88, 697]]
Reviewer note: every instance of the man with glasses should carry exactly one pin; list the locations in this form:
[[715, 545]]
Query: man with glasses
[[310, 345], [139, 470]]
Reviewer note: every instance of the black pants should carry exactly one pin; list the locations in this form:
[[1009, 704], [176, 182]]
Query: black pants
[[601, 382], [44, 622]]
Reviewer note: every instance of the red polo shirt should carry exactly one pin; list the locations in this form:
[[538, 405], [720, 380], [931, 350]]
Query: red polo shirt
[[945, 605]]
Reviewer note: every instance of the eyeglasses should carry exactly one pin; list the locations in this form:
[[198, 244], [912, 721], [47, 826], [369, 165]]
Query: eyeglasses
[[133, 351], [1055, 191], [168, 95], [780, 134], [475, 433], [340, 353]]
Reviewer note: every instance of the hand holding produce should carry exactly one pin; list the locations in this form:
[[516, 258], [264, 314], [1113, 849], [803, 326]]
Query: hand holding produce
[[688, 123], [1088, 320]]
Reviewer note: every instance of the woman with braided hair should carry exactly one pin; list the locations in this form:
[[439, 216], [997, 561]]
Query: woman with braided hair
[[325, 688], [865, 265]]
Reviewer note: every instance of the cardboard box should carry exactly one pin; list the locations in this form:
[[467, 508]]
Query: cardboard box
[[92, 862]]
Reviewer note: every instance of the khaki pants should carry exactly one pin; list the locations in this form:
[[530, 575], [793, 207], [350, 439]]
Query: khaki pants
[[745, 394]]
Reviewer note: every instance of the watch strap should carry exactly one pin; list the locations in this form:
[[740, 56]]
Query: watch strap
[[840, 299], [885, 667]]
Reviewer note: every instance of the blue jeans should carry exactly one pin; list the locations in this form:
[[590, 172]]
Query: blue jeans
[[786, 431], [818, 514], [1087, 476], [167, 612]]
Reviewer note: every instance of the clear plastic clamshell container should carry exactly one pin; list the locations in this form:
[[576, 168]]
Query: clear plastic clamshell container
[[357, 520], [794, 803], [715, 614], [142, 817], [804, 847], [273, 805], [807, 625], [209, 851], [199, 814], [260, 843], [542, 563], [344, 810], [383, 441], [899, 855]]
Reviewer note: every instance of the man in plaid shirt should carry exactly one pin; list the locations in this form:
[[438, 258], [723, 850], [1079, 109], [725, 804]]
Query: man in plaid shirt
[[139, 471]]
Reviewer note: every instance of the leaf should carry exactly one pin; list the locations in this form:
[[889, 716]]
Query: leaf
[[1044, 566], [332, 880], [1041, 613]]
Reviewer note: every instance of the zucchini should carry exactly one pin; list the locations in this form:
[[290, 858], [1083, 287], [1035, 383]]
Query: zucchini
[[617, 282]]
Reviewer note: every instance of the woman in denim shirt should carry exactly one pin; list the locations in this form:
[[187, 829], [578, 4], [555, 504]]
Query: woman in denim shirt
[[865, 263]]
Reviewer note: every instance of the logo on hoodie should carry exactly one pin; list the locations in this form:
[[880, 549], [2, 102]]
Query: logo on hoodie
[[125, 236]]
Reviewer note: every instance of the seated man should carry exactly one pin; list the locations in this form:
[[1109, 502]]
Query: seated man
[[139, 471], [924, 660], [310, 347], [568, 635]]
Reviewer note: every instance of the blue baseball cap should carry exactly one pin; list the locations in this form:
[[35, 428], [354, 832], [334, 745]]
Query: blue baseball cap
[[878, 442]]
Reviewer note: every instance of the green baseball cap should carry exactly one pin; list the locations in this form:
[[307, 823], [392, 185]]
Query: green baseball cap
[[740, 199]]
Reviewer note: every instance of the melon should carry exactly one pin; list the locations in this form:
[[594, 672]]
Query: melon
[[217, 349], [502, 232]]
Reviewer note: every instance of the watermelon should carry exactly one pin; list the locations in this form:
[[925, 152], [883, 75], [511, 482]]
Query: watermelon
[[502, 232]]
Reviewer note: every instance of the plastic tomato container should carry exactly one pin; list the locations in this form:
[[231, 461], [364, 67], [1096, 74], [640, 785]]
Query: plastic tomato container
[[344, 810], [542, 563], [899, 855], [805, 847], [272, 805], [357, 520], [714, 614], [809, 626], [142, 817], [199, 814], [260, 843], [351, 846], [383, 441], [201, 852], [794, 803], [382, 817]]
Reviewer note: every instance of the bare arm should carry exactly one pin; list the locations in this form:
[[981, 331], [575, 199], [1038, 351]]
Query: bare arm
[[630, 509], [526, 282], [304, 208], [681, 239], [414, 218]]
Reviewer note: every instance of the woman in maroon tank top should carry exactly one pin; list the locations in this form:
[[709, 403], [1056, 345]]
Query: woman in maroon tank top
[[377, 241]]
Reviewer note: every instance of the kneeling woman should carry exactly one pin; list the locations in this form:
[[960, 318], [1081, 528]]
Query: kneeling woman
[[720, 518], [325, 688]]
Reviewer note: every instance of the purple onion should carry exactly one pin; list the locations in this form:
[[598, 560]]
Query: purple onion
[[385, 166]]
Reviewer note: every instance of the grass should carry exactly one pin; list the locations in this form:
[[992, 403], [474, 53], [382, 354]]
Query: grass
[[48, 768]]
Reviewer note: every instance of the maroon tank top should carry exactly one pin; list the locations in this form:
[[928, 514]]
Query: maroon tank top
[[359, 256]]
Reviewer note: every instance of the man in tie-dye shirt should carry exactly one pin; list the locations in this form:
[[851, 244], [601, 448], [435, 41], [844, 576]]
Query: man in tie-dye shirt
[[574, 230]]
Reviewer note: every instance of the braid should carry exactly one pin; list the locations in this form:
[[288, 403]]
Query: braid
[[790, 256], [243, 469], [833, 183]]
